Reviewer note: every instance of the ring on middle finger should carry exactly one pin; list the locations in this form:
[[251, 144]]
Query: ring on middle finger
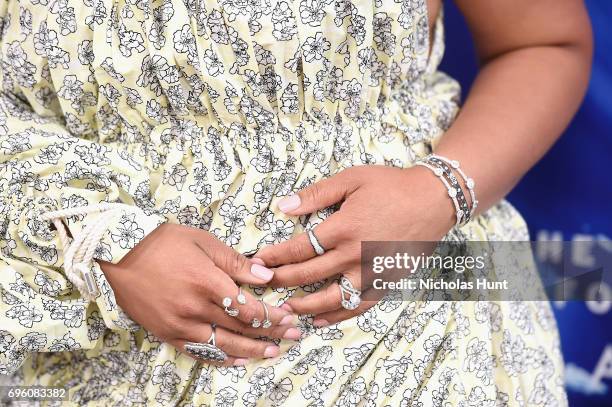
[[232, 312], [266, 322]]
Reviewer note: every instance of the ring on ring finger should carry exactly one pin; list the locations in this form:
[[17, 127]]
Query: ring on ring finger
[[266, 323], [354, 295]]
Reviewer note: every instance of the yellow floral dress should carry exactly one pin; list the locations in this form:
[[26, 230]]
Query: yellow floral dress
[[206, 113]]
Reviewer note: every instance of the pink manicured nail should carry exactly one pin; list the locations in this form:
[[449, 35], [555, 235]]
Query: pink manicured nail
[[240, 362], [287, 319], [320, 323], [271, 352], [262, 272], [292, 333], [286, 307], [289, 203], [257, 260]]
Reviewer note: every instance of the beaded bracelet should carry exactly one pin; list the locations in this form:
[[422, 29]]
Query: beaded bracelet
[[443, 168], [469, 182], [448, 172], [452, 192]]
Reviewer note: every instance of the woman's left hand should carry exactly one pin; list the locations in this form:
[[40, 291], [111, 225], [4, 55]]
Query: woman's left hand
[[379, 203]]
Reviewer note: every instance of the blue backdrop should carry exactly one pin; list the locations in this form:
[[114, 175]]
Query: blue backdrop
[[568, 195]]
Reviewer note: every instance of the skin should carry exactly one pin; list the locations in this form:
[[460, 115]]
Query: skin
[[183, 292], [535, 63]]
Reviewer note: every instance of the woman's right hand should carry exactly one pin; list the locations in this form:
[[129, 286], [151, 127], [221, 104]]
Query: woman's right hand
[[173, 284]]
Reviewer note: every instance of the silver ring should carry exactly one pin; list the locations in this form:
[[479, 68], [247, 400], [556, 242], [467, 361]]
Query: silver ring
[[318, 248], [354, 295], [208, 350], [266, 322], [232, 312], [241, 298]]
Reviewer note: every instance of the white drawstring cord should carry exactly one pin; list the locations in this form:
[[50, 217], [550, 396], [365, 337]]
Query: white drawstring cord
[[78, 254]]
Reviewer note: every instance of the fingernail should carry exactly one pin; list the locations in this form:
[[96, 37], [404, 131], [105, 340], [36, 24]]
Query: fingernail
[[289, 203], [287, 319], [257, 260], [287, 307], [240, 362], [320, 323], [271, 352], [292, 333], [262, 272]]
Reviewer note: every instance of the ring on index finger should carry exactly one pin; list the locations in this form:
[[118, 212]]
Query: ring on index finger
[[232, 312]]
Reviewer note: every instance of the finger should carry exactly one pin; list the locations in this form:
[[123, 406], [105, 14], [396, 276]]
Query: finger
[[325, 300], [319, 195], [232, 262], [252, 309], [299, 248], [233, 344], [341, 314], [242, 346], [310, 271], [286, 331], [231, 360]]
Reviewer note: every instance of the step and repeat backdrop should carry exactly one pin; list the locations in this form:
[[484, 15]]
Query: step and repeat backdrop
[[568, 196]]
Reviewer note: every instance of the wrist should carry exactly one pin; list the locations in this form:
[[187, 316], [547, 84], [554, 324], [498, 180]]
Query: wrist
[[438, 206]]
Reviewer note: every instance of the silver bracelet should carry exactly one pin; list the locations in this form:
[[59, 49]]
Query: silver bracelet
[[469, 182], [448, 172], [452, 192]]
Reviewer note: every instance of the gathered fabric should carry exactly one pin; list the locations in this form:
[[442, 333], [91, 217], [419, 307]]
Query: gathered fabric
[[119, 115]]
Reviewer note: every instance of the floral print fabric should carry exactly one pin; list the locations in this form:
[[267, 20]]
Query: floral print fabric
[[205, 113]]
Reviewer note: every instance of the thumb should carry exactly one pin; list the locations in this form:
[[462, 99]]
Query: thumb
[[316, 196], [236, 265]]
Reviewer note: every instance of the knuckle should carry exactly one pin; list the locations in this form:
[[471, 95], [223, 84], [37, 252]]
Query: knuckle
[[354, 251], [173, 327], [250, 347], [296, 249], [313, 192], [269, 256], [226, 341], [187, 309], [348, 228], [352, 174], [239, 329], [309, 274], [256, 348], [247, 314], [279, 332], [237, 262], [193, 277]]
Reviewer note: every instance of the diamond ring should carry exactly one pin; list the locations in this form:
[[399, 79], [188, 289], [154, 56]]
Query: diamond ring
[[354, 295], [266, 322], [208, 350], [232, 312], [241, 298]]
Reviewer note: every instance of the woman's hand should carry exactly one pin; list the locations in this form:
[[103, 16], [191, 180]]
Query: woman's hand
[[173, 284], [379, 203]]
